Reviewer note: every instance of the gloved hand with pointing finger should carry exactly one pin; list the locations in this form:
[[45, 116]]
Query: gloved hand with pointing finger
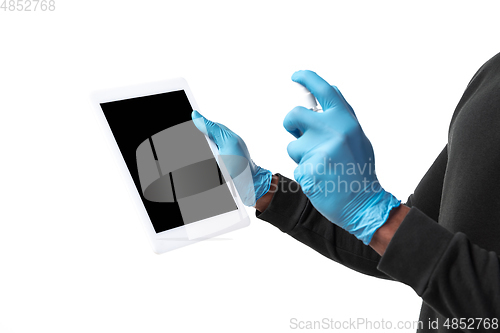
[[336, 163], [251, 181]]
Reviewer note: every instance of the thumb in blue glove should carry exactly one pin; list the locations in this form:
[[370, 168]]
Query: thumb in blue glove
[[250, 180], [336, 163]]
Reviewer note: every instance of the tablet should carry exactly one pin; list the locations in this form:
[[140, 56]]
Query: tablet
[[182, 189]]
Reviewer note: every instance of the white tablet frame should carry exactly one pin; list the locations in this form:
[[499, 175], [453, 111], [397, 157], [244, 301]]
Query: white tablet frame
[[190, 233]]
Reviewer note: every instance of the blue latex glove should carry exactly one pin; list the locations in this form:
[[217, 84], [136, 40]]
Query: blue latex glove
[[251, 181], [336, 164]]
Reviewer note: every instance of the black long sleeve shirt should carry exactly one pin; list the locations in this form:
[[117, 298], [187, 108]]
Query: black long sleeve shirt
[[447, 247]]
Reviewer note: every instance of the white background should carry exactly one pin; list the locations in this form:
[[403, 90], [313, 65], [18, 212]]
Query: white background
[[73, 256]]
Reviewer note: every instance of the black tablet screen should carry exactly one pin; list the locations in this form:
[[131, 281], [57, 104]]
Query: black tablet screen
[[169, 160]]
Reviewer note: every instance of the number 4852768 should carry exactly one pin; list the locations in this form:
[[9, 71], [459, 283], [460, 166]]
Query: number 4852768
[[28, 5]]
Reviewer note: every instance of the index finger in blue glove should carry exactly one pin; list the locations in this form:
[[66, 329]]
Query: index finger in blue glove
[[329, 97], [207, 127], [321, 89]]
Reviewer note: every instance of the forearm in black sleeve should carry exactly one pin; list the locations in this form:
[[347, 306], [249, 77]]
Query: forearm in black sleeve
[[454, 264], [291, 211], [456, 278]]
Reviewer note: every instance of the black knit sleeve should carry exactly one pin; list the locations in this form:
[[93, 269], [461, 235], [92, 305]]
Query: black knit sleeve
[[455, 277], [291, 212], [454, 264]]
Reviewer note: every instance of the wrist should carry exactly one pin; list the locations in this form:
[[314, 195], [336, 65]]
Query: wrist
[[370, 209], [384, 234], [264, 201], [262, 180]]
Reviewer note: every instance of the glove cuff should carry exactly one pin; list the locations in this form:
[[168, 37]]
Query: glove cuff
[[262, 182], [375, 212]]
